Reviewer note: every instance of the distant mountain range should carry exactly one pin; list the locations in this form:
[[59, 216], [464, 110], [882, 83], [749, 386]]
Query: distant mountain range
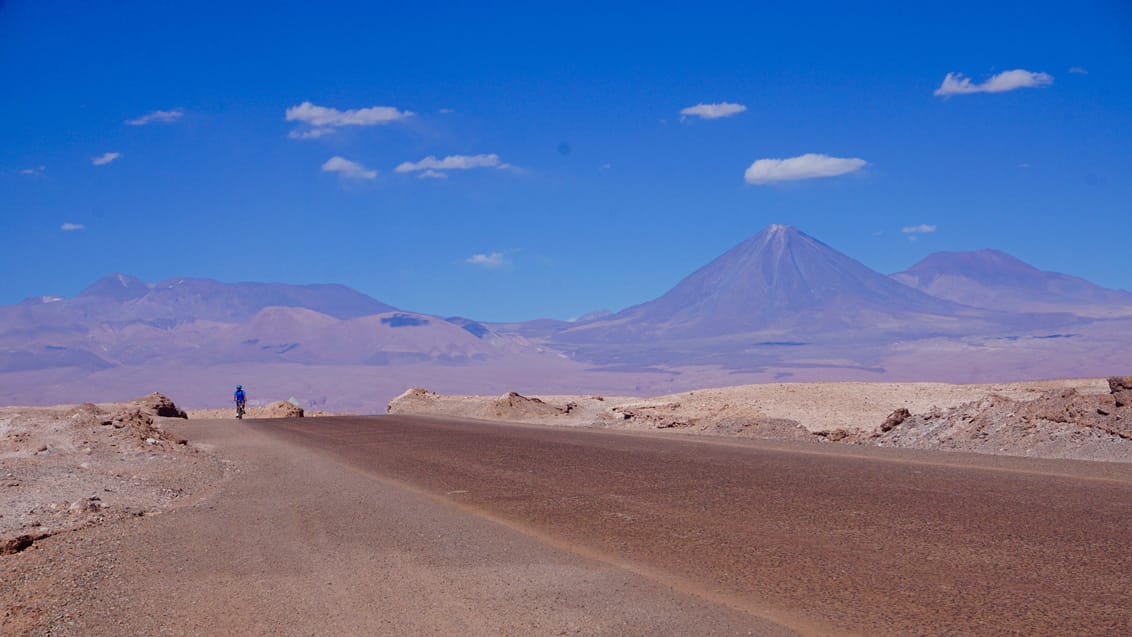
[[995, 280], [779, 279], [781, 305], [783, 288]]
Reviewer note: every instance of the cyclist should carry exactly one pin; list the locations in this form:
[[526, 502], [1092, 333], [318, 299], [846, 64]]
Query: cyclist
[[240, 399]]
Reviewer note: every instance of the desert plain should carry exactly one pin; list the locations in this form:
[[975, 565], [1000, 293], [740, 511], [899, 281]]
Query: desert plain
[[774, 509]]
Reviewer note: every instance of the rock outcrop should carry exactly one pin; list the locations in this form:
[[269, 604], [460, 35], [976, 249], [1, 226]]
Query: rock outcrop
[[1061, 423], [158, 405], [514, 405], [279, 409], [412, 400], [1121, 388]]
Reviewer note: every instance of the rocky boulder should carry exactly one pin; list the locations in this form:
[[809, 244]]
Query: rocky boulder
[[894, 419], [158, 405], [1121, 388], [87, 414], [412, 400], [514, 405], [280, 409]]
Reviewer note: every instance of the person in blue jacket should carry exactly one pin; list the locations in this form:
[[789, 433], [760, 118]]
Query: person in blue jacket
[[240, 399]]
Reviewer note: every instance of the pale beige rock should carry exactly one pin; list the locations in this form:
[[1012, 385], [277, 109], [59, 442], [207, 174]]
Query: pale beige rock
[[816, 407]]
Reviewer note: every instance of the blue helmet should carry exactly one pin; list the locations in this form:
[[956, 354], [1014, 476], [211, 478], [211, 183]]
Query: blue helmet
[[239, 386]]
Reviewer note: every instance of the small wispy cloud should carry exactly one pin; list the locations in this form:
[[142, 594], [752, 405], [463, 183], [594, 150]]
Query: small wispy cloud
[[162, 117], [446, 111], [808, 166], [712, 111], [453, 162], [324, 117], [490, 261], [1077, 70], [105, 158], [71, 227], [1024, 165], [914, 232], [347, 169], [432, 174], [37, 171], [923, 228], [310, 133], [958, 84]]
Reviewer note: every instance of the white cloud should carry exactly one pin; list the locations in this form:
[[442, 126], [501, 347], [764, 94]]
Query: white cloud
[[71, 227], [1078, 70], [347, 169], [322, 116], [446, 111], [808, 166], [493, 260], [453, 162], [105, 158], [312, 133], [958, 84], [923, 228], [38, 170], [713, 111], [323, 119], [163, 117], [1025, 165], [432, 174]]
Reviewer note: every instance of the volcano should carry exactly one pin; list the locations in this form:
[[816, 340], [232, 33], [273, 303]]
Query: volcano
[[781, 279], [995, 280]]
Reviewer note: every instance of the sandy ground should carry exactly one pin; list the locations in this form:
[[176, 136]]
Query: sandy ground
[[815, 406], [297, 543], [68, 467], [416, 526], [277, 409], [938, 415]]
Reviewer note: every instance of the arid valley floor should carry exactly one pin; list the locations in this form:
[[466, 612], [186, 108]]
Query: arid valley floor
[[778, 509]]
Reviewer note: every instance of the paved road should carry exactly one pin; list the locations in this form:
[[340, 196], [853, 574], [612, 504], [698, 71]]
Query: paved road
[[824, 539], [409, 526]]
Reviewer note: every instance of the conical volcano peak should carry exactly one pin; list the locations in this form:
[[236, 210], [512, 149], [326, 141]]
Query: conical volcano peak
[[776, 234], [779, 245], [779, 231], [118, 286], [780, 278]]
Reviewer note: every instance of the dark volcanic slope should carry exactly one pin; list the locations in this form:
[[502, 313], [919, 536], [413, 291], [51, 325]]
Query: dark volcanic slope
[[995, 280]]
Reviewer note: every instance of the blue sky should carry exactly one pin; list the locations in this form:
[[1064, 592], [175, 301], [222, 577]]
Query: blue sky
[[293, 144]]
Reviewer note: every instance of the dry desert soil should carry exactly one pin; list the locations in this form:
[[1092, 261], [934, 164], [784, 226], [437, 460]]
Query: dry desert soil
[[1084, 419], [129, 519]]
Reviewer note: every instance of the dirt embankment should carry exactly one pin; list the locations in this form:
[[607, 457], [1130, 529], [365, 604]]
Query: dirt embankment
[[1079, 418], [67, 467], [277, 409], [1059, 423]]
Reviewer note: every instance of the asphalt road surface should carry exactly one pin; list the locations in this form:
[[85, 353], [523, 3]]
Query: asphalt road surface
[[411, 526]]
